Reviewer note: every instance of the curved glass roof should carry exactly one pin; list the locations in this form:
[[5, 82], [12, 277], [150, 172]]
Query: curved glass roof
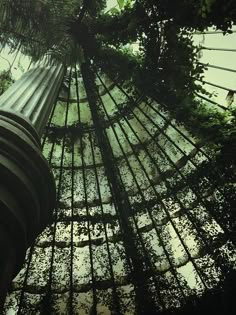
[[139, 203]]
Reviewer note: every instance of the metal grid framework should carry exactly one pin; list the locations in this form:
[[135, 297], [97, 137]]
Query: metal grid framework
[[138, 226]]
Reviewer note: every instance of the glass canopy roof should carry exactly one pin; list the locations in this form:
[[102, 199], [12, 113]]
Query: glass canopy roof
[[163, 238], [140, 225]]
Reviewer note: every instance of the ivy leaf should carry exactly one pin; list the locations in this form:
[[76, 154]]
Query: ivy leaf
[[230, 98], [121, 3], [113, 10]]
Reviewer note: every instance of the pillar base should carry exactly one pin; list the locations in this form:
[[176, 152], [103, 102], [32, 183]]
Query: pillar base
[[27, 189], [7, 263]]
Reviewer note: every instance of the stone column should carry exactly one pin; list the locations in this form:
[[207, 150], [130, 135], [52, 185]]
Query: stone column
[[27, 187]]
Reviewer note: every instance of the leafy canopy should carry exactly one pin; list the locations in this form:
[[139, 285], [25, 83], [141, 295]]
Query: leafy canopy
[[165, 66]]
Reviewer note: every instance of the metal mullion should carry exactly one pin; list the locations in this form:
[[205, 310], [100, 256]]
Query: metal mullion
[[135, 222], [180, 132], [186, 138], [211, 32], [128, 260], [140, 281], [31, 60], [165, 209], [147, 258], [117, 213], [49, 123], [162, 243], [114, 289], [118, 217], [2, 47], [148, 261], [173, 225], [153, 221], [18, 50], [81, 219], [150, 215], [77, 95], [157, 194], [94, 310], [123, 152], [49, 288], [141, 97], [170, 140], [79, 289], [52, 113], [174, 127], [197, 228], [216, 67], [178, 148], [167, 120], [200, 200], [148, 141], [211, 101], [112, 150], [79, 120], [217, 49], [217, 85], [72, 233]]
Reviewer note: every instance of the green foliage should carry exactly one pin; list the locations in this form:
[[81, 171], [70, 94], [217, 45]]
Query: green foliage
[[26, 25], [5, 81], [195, 14], [94, 8], [114, 30], [165, 68], [121, 3]]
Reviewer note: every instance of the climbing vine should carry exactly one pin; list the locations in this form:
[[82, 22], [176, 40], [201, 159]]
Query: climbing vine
[[5, 81]]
